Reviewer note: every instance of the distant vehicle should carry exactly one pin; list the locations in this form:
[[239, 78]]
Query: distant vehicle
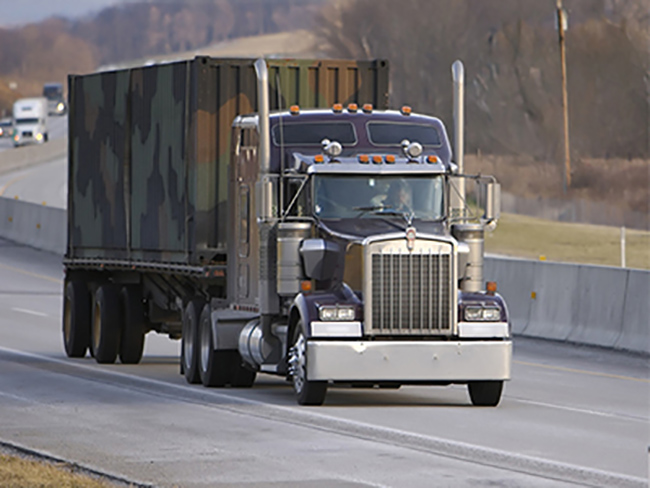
[[55, 102], [6, 128], [30, 121]]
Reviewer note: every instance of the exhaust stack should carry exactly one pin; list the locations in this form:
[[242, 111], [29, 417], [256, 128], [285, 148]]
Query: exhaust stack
[[458, 76]]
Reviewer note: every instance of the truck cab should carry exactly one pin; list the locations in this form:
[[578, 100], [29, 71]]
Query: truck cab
[[30, 121], [55, 100], [349, 250]]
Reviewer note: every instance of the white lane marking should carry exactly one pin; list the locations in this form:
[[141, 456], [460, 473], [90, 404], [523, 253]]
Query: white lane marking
[[29, 312], [622, 416], [16, 397]]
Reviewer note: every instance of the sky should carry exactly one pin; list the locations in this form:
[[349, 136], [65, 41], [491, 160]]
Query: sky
[[17, 12]]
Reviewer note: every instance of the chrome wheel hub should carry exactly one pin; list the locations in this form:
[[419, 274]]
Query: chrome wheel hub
[[297, 363]]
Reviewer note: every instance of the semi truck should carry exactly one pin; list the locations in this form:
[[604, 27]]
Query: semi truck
[[277, 217], [55, 99], [30, 121]]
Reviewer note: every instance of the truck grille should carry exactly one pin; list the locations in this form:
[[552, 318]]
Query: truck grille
[[410, 294]]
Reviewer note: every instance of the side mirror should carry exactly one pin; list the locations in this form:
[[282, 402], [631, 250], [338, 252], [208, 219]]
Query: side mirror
[[491, 201], [320, 258]]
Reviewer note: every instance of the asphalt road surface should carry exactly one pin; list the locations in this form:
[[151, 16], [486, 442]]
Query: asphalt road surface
[[571, 416]]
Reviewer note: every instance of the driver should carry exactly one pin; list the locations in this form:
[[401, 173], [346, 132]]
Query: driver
[[399, 197]]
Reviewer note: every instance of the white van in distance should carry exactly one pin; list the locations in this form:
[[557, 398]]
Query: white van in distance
[[30, 121]]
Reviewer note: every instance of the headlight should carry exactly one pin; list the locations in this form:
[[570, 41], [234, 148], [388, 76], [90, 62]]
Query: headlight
[[60, 107], [334, 313], [482, 314], [39, 137]]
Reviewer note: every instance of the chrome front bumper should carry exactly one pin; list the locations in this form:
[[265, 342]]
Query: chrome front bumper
[[458, 361]]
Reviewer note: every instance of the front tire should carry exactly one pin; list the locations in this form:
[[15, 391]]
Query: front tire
[[191, 341], [105, 330], [307, 392], [76, 319], [485, 393]]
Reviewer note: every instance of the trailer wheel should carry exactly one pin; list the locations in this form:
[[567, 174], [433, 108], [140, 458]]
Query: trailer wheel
[[307, 392], [105, 330], [76, 319], [485, 393], [133, 325], [214, 365], [242, 375], [191, 341]]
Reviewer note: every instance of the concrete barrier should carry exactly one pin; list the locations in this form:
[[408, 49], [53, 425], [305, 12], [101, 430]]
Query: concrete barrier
[[635, 335], [34, 225], [26, 156]]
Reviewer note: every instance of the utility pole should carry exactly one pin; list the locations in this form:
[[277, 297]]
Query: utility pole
[[562, 24]]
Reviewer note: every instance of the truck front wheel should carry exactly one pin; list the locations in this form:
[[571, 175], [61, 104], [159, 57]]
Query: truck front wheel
[[76, 319], [105, 330], [307, 392], [485, 393], [191, 341]]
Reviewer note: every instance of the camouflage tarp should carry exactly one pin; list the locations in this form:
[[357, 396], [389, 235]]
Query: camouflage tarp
[[150, 148]]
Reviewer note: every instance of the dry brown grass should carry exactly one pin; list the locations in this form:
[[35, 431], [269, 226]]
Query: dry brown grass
[[529, 237], [16, 472]]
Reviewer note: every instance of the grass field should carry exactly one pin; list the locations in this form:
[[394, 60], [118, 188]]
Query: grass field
[[532, 238], [16, 472]]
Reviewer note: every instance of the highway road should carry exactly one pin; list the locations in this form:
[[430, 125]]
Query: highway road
[[571, 416]]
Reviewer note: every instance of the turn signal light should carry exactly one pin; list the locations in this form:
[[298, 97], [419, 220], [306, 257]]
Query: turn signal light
[[305, 285], [491, 287]]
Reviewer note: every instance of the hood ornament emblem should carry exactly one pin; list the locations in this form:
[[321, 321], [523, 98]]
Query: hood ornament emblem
[[410, 238]]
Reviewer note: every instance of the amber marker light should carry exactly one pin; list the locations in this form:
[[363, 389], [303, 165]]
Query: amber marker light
[[337, 108], [432, 159], [491, 287], [406, 110], [390, 158], [295, 110], [363, 158], [305, 286], [367, 108], [319, 158], [353, 107], [376, 159]]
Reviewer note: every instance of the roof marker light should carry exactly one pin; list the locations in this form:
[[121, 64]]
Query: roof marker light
[[337, 108], [432, 159], [390, 158], [406, 110], [367, 108], [377, 159], [364, 159], [294, 109], [353, 107]]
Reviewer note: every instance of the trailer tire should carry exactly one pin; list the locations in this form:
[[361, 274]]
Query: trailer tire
[[485, 393], [105, 327], [307, 392], [76, 319], [242, 375], [215, 365], [191, 341], [133, 325]]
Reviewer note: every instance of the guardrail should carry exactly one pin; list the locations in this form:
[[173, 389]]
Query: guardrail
[[594, 305]]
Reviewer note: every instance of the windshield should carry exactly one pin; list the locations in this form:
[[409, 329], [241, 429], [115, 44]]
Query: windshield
[[374, 196], [53, 92], [392, 134], [312, 133], [26, 121]]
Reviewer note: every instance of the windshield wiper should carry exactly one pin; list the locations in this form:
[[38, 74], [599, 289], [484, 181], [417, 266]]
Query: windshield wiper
[[386, 210]]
